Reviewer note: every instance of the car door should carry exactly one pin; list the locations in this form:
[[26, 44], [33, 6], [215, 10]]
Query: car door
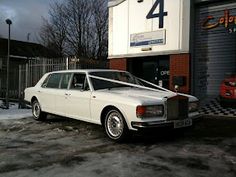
[[49, 90], [78, 97], [61, 96]]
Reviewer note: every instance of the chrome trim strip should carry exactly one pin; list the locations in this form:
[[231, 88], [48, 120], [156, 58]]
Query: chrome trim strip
[[162, 123]]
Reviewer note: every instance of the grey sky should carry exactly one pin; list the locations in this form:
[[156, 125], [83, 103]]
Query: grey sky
[[26, 16]]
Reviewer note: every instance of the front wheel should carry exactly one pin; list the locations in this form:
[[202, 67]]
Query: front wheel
[[37, 112], [115, 126]]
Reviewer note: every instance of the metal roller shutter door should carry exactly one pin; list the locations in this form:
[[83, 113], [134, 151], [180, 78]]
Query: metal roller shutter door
[[214, 50]]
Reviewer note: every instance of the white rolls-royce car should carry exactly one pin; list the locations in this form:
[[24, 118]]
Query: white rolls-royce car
[[115, 99]]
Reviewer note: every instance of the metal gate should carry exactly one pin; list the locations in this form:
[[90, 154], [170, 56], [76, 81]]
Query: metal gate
[[215, 44], [30, 73], [27, 74]]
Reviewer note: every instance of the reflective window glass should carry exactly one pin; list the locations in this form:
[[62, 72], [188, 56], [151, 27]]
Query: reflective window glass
[[65, 80], [54, 80]]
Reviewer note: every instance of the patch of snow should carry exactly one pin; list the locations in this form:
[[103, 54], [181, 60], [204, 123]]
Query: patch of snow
[[13, 112]]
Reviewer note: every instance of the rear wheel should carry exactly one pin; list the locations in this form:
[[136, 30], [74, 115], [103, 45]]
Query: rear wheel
[[37, 112], [115, 126]]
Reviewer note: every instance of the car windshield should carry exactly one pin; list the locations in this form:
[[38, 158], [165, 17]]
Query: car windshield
[[114, 75]]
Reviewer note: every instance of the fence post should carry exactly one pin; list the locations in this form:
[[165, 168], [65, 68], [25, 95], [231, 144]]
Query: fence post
[[26, 75], [44, 66], [67, 63], [19, 87]]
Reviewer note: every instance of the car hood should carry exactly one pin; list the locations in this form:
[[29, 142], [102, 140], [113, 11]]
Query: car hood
[[141, 94]]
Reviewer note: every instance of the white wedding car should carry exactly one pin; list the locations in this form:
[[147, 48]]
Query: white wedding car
[[115, 99]]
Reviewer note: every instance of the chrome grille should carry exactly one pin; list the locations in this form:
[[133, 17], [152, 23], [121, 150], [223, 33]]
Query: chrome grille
[[177, 108]]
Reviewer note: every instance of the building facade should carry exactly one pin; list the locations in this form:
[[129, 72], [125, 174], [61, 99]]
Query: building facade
[[174, 42]]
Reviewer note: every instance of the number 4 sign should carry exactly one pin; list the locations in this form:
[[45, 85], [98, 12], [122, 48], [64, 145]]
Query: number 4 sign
[[161, 13]]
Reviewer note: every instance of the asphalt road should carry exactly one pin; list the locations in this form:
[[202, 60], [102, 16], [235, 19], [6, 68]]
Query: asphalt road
[[64, 147]]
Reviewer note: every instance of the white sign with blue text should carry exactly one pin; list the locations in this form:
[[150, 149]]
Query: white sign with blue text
[[148, 38]]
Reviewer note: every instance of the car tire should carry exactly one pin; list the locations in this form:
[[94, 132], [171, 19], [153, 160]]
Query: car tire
[[115, 126], [37, 112]]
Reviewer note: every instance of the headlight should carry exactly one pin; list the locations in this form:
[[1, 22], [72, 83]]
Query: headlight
[[233, 84], [193, 106], [149, 111]]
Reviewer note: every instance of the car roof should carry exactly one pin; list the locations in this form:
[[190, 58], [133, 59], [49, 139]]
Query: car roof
[[86, 71]]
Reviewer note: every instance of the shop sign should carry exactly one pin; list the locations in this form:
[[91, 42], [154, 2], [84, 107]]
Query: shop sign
[[165, 73], [211, 22], [147, 38], [155, 37]]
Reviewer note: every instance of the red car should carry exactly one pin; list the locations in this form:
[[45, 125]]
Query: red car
[[228, 91]]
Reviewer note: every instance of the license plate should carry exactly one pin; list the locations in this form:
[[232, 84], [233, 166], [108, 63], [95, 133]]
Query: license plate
[[182, 123]]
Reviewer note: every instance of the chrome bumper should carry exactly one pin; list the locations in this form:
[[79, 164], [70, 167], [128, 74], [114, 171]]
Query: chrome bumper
[[163, 123]]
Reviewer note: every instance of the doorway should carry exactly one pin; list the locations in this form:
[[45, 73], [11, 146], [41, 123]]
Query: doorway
[[153, 69]]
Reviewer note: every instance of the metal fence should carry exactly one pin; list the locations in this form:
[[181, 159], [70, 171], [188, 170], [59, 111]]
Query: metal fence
[[36, 68], [27, 74]]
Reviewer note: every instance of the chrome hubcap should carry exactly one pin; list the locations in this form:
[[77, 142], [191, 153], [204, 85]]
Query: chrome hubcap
[[36, 110], [115, 124]]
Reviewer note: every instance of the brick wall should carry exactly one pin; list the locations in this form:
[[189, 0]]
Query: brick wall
[[180, 66], [120, 64]]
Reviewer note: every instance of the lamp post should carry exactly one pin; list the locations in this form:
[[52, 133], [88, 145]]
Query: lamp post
[[9, 22]]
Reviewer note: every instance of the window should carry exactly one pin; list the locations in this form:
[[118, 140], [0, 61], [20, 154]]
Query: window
[[54, 80], [114, 75], [45, 81], [79, 82], [65, 80]]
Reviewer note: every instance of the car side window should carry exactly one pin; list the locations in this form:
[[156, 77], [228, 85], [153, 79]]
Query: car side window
[[79, 82], [45, 81], [54, 80], [65, 80]]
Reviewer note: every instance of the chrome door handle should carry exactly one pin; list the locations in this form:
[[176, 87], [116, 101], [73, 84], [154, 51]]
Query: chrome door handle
[[67, 94]]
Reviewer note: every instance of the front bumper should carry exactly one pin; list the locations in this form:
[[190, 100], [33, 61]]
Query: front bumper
[[157, 124]]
